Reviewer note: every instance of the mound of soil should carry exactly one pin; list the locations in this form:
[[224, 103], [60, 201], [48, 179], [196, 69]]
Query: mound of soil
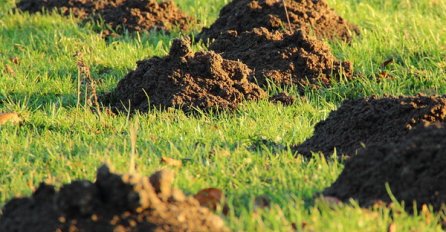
[[133, 15], [282, 58], [114, 202], [305, 15], [414, 169], [185, 80], [364, 122]]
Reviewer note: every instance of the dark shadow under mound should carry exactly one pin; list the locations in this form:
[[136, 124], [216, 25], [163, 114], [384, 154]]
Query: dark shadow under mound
[[185, 80], [305, 15], [283, 58], [133, 15], [373, 120], [114, 202], [414, 169]]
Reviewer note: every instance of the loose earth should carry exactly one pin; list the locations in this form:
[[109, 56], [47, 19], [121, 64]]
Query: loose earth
[[283, 58], [309, 16], [119, 15], [128, 202], [413, 168], [372, 121], [185, 80]]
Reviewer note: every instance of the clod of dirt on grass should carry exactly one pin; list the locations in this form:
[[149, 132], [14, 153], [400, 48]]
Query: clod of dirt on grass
[[262, 202], [373, 120], [306, 15], [119, 15], [413, 168], [14, 60], [282, 98], [12, 118], [185, 80], [210, 197], [281, 57], [128, 202]]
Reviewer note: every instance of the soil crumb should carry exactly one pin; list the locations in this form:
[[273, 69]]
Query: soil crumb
[[282, 58], [414, 169], [282, 98], [374, 120], [306, 15], [133, 15], [128, 202], [185, 80]]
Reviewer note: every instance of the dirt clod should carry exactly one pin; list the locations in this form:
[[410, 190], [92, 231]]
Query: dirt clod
[[281, 57], [133, 15], [374, 120], [185, 80], [413, 168], [305, 15], [114, 202], [282, 98]]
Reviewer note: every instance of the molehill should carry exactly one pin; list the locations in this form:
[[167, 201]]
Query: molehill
[[372, 121], [305, 15], [283, 58], [184, 80], [413, 168], [128, 202], [133, 15]]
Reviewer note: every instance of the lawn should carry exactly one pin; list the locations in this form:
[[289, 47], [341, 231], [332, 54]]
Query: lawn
[[244, 153]]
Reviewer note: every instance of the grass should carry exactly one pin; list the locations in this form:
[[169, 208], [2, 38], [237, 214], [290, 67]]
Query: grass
[[61, 142]]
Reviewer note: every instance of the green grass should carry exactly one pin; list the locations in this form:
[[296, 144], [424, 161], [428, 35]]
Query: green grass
[[60, 142]]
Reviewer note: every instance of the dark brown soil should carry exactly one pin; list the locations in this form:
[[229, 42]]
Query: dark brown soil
[[373, 120], [133, 15], [305, 15], [282, 58], [414, 169], [282, 98], [114, 202], [185, 80]]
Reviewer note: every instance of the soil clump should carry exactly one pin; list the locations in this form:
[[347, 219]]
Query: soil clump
[[306, 15], [282, 58], [372, 121], [132, 15], [185, 80], [413, 167], [282, 98], [128, 202]]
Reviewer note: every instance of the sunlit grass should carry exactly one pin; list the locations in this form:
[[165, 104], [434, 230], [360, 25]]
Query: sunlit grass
[[60, 142]]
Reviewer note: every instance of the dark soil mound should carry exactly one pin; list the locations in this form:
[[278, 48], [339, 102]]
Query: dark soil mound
[[372, 121], [414, 168], [112, 203], [282, 58], [305, 15], [134, 15], [185, 80]]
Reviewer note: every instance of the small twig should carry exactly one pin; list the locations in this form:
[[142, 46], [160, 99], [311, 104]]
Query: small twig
[[79, 81], [133, 136], [287, 16], [86, 84]]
